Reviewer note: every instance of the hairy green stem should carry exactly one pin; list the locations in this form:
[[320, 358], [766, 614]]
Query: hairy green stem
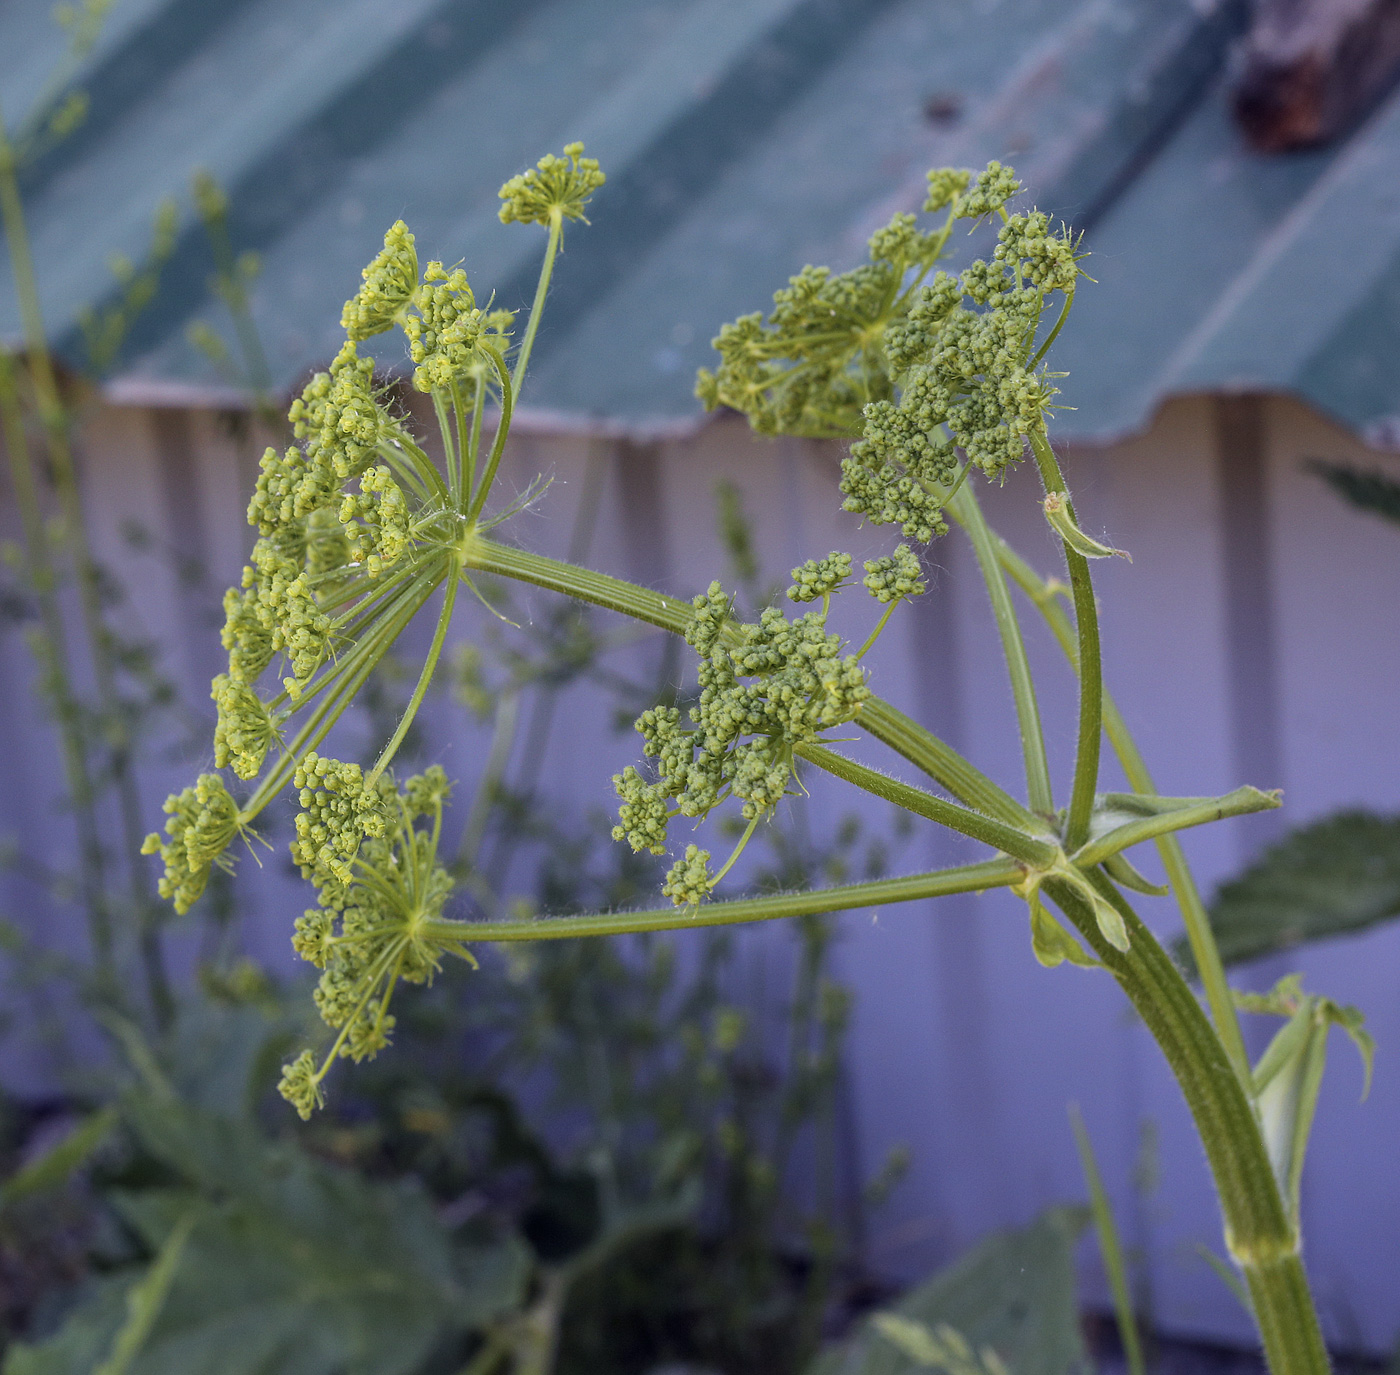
[[969, 878], [1262, 1239], [1030, 849], [1189, 812], [420, 689], [498, 444], [1183, 884], [965, 509], [1086, 619], [942, 763], [449, 429], [886, 723], [527, 344]]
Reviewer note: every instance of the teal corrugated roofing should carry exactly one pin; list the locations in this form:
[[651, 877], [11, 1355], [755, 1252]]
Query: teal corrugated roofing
[[742, 139]]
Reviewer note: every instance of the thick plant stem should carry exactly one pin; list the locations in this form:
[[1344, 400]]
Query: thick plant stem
[[1261, 1237], [965, 510], [888, 725], [1086, 619], [941, 762], [1183, 884], [969, 878]]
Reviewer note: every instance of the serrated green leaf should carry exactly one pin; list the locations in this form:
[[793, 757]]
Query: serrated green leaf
[[1332, 878], [1013, 1293], [294, 1266]]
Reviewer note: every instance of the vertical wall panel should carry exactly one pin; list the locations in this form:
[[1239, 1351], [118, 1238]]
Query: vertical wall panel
[[962, 1046]]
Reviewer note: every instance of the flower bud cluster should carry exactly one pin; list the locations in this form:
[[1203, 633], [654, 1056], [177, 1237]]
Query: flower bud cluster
[[817, 359], [995, 185], [244, 730], [764, 689], [819, 577], [894, 576], [688, 881], [204, 820], [963, 372], [304, 537], [386, 532], [390, 281], [276, 612], [369, 930], [555, 186], [445, 331], [337, 813]]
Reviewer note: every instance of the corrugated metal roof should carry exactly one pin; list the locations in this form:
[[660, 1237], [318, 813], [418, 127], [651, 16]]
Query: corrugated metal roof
[[742, 138]]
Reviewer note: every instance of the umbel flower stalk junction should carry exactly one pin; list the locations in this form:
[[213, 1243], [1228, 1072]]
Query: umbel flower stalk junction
[[940, 380]]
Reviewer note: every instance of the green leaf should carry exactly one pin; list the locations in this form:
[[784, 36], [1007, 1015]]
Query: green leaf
[[1368, 491], [60, 1160], [294, 1266], [938, 1348], [1337, 876], [1013, 1293]]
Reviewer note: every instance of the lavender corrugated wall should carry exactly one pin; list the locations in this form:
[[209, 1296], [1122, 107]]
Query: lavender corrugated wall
[[1256, 627]]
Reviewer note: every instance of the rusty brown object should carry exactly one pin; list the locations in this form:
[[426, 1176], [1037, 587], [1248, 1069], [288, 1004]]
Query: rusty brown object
[[1312, 68]]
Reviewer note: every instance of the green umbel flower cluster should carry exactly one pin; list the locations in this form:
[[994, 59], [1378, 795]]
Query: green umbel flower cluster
[[373, 926], [894, 576], [337, 812], [204, 820], [244, 729], [765, 688], [819, 577], [689, 880], [903, 363], [387, 531], [449, 332], [966, 380], [555, 188], [817, 361], [390, 281]]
